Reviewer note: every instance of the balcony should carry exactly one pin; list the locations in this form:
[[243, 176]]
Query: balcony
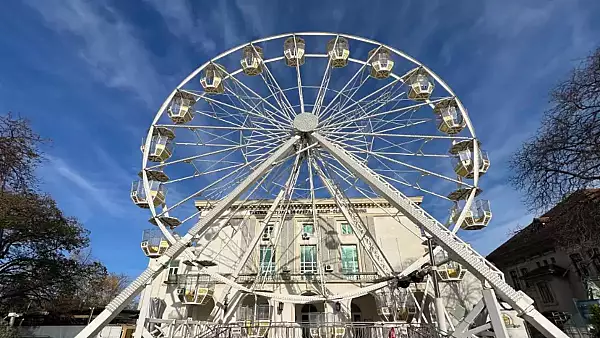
[[294, 277], [167, 328]]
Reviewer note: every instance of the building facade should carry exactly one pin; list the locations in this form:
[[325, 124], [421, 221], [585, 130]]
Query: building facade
[[297, 256], [559, 279]]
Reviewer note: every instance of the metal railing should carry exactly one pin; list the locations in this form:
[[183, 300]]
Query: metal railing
[[163, 328], [280, 278]]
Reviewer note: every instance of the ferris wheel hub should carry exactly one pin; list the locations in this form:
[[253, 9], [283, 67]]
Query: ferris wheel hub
[[305, 122]]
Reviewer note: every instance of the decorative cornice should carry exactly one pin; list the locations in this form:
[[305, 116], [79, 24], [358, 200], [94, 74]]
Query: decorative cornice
[[301, 206]]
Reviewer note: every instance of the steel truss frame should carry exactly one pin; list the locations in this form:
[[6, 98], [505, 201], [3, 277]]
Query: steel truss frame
[[475, 263]]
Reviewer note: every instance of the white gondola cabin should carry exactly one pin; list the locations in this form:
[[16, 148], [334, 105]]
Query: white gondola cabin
[[161, 144], [447, 269], [197, 290], [294, 51], [477, 217], [326, 325], [420, 85], [252, 60], [255, 318], [157, 194], [381, 63], [338, 50], [449, 119], [154, 244], [464, 161], [181, 109], [212, 79], [387, 304]]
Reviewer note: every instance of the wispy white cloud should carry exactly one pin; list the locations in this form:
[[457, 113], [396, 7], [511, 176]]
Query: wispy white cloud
[[83, 190], [181, 22], [107, 43]]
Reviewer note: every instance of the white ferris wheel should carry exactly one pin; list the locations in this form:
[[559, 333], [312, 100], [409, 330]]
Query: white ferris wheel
[[295, 118]]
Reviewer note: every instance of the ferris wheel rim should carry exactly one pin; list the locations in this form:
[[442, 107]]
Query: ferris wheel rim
[[199, 69]]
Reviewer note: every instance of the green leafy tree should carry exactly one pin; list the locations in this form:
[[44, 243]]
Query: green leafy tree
[[41, 264]]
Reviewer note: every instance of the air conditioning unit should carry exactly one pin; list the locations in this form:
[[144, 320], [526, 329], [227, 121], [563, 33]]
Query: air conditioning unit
[[328, 268], [265, 237], [305, 236]]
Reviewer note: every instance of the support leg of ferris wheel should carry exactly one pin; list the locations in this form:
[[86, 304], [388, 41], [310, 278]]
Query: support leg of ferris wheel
[[151, 272], [474, 262], [283, 194]]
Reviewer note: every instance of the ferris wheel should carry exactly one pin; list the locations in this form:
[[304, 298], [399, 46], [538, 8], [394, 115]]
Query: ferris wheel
[[296, 118]]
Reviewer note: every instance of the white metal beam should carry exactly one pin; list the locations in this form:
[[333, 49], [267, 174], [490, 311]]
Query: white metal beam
[[125, 297]]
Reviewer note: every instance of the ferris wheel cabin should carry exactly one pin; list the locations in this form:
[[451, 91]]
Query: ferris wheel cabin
[[420, 85], [161, 144], [196, 290], [181, 109], [477, 217], [338, 50], [212, 79], [154, 244], [464, 159], [157, 194], [324, 326], [294, 51], [254, 317], [381, 63], [448, 270], [252, 60], [449, 119]]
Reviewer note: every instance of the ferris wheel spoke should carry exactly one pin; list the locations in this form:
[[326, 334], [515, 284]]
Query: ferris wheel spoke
[[214, 183], [274, 123], [421, 170], [350, 81], [323, 87], [245, 88], [379, 114], [254, 107], [316, 226], [275, 89], [361, 100], [205, 127], [364, 236], [368, 194]]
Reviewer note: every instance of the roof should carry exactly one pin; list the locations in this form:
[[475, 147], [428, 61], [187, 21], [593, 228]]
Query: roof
[[540, 236]]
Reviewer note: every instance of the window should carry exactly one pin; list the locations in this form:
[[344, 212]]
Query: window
[[581, 269], [346, 228], [308, 228], [173, 269], [268, 230], [545, 262], [515, 279], [545, 293], [349, 261], [552, 260], [523, 273], [267, 260], [595, 257], [308, 259], [538, 264]]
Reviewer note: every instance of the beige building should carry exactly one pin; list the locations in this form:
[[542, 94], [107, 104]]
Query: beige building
[[299, 257], [559, 281]]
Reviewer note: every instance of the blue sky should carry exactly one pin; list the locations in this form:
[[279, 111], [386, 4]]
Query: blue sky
[[91, 75]]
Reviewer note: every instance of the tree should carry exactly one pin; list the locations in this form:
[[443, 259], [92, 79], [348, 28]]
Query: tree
[[19, 153], [564, 155], [560, 164], [41, 265]]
